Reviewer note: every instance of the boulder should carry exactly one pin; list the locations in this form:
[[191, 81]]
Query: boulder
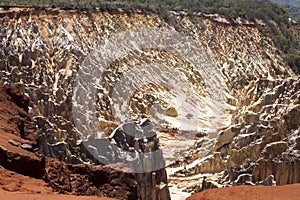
[[243, 179], [269, 181], [275, 149], [171, 112]]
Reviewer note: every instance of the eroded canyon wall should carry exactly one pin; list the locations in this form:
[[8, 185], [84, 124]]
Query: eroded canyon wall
[[245, 82]]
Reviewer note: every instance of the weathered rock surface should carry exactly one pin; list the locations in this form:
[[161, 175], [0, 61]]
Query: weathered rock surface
[[90, 180], [42, 51], [285, 170], [17, 128], [67, 179], [18, 121], [265, 145], [126, 145], [245, 86]]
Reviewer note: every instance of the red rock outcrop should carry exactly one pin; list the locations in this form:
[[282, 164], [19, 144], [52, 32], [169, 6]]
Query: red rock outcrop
[[14, 115], [66, 179], [16, 130]]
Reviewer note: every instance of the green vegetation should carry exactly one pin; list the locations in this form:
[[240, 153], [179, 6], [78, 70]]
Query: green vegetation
[[293, 6], [78, 154], [293, 59], [275, 16]]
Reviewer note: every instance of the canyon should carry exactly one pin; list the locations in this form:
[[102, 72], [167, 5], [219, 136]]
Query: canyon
[[222, 103]]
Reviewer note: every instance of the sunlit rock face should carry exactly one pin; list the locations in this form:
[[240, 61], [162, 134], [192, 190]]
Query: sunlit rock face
[[42, 51], [237, 81], [267, 115], [264, 135]]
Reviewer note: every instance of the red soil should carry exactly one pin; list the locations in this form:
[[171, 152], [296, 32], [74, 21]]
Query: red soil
[[15, 186], [20, 196], [286, 192]]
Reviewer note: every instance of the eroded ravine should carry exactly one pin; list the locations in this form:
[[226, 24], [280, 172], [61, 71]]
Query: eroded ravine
[[42, 53]]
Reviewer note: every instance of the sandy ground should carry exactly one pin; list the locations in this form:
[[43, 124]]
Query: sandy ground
[[22, 196], [286, 192], [15, 186], [13, 182]]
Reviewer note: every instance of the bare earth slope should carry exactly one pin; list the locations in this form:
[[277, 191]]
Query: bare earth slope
[[287, 192], [21, 196], [15, 186]]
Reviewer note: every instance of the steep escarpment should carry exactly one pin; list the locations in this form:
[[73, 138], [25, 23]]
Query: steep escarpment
[[266, 123], [42, 51]]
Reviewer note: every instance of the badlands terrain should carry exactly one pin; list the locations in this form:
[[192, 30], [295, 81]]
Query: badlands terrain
[[223, 105], [18, 184]]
